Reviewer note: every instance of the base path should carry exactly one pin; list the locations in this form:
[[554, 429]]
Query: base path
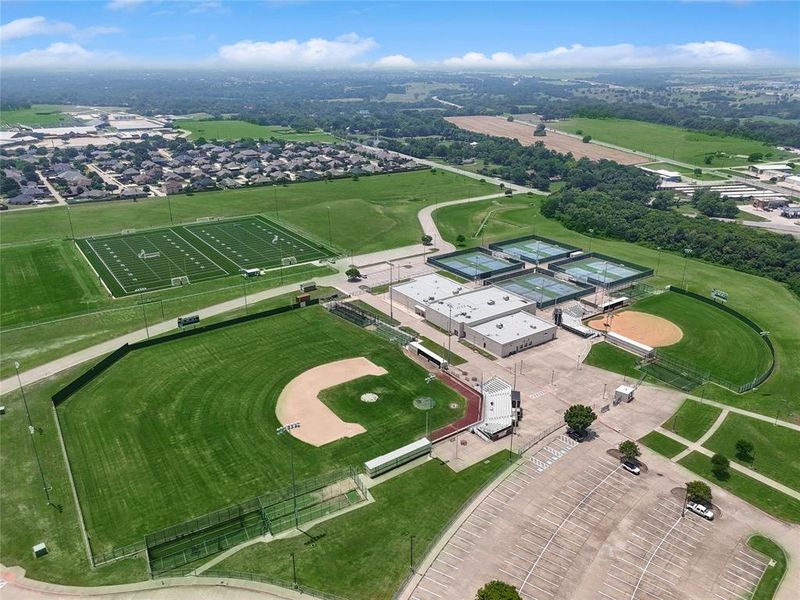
[[299, 401], [642, 327]]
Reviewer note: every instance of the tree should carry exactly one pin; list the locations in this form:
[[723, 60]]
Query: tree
[[744, 450], [755, 157], [707, 160], [629, 450], [509, 192], [460, 239], [540, 130], [720, 465], [353, 274], [579, 417], [586, 139], [698, 172], [698, 491], [427, 240], [497, 590], [510, 118]]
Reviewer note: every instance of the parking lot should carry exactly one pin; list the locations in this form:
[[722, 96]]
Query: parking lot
[[657, 552], [570, 523]]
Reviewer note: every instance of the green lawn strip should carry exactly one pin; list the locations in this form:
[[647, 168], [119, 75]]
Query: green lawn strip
[[25, 517], [234, 129], [780, 316], [692, 419], [38, 115], [605, 356], [39, 343], [365, 554], [480, 351], [746, 216], [666, 446], [388, 204], [671, 142], [713, 340], [773, 576], [453, 276], [760, 495], [377, 313], [452, 358], [162, 445], [777, 449]]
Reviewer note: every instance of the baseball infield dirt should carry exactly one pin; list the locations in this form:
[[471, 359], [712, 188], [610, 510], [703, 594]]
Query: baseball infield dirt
[[646, 329], [299, 401], [559, 142]]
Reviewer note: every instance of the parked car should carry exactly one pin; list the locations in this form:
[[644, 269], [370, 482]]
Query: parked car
[[700, 509], [631, 467], [578, 436]]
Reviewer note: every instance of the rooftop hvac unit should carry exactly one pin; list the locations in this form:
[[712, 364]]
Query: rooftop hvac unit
[[506, 298], [499, 325], [491, 302]]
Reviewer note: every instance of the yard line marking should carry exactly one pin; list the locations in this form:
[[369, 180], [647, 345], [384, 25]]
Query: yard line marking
[[198, 251], [97, 254]]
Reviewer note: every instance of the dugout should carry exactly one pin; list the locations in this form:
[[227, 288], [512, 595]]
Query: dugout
[[396, 458], [475, 263]]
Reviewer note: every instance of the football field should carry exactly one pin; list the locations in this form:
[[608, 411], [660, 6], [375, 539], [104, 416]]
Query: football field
[[133, 262]]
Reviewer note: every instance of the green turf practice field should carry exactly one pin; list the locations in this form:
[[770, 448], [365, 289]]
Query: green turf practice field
[[143, 261], [713, 340], [671, 142], [234, 129], [180, 429], [38, 115]]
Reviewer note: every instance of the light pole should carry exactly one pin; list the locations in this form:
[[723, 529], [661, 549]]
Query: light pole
[[69, 218], [244, 290], [275, 198], [32, 430], [591, 237], [450, 331], [330, 227], [144, 314], [686, 253], [169, 207], [658, 261], [411, 555], [280, 431], [294, 571]]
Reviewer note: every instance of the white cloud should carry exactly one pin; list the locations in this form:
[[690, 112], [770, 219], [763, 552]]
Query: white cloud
[[125, 4], [30, 26], [395, 61], [291, 54], [96, 30], [57, 55], [695, 54]]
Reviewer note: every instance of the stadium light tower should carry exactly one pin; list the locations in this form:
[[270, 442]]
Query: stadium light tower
[[32, 431], [281, 431], [687, 252], [591, 237]]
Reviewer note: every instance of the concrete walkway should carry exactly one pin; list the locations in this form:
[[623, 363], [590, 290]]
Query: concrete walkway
[[746, 413], [702, 440], [697, 447]]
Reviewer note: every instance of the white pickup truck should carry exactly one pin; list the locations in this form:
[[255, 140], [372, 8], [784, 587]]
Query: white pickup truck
[[700, 509]]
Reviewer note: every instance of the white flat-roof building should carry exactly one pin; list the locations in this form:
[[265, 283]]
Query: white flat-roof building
[[511, 333], [499, 413], [473, 307], [420, 292], [782, 167]]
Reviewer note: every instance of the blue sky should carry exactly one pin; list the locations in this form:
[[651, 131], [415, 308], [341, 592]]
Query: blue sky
[[462, 35]]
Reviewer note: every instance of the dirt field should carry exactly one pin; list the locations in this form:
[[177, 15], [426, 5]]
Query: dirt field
[[299, 401], [646, 329], [555, 141]]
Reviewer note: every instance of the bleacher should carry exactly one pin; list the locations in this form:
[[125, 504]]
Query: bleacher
[[351, 314]]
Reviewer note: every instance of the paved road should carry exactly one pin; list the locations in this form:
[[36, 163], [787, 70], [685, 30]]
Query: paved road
[[53, 191]]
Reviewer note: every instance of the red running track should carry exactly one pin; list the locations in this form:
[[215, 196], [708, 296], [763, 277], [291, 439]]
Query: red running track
[[472, 414]]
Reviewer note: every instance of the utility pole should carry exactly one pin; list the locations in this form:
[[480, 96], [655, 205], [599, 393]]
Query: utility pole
[[391, 304], [591, 237], [275, 197], [69, 218], [411, 556], [32, 431], [330, 227], [450, 331], [658, 262], [686, 253], [169, 206], [144, 314], [294, 571], [244, 289]]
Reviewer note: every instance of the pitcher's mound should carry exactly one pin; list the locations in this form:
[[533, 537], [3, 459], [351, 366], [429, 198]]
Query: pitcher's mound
[[644, 328]]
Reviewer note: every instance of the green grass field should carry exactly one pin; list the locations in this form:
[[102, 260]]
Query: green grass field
[[777, 449], [780, 316], [234, 129], [773, 576], [658, 442], [771, 501], [202, 435], [38, 115], [388, 203], [692, 420], [713, 340], [364, 555], [58, 332], [605, 356], [670, 142]]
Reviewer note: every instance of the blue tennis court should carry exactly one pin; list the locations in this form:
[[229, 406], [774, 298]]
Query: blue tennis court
[[534, 249], [543, 289]]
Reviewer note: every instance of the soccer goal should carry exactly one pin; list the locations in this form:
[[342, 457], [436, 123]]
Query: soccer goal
[[179, 281], [289, 260]]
